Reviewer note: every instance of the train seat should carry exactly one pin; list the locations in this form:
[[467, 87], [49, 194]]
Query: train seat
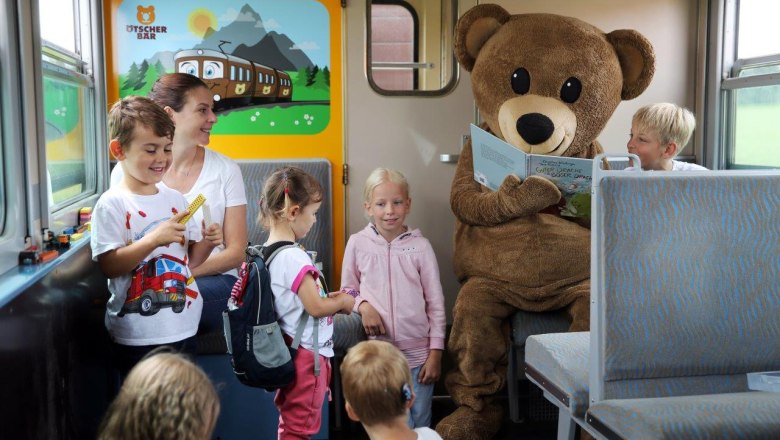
[[678, 320], [524, 324]]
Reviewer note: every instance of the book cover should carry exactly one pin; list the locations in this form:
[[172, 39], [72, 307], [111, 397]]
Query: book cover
[[494, 159]]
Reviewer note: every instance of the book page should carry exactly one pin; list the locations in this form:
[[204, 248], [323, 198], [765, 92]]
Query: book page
[[495, 159], [573, 176]]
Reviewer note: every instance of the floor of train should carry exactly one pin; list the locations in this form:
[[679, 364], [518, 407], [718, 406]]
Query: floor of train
[[539, 420]]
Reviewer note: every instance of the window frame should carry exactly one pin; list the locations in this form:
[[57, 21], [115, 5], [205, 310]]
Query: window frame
[[724, 81], [454, 68], [16, 208]]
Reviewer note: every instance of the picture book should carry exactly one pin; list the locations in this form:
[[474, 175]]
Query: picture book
[[494, 159]]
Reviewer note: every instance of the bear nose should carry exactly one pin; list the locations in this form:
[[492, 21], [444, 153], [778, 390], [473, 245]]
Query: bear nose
[[535, 128]]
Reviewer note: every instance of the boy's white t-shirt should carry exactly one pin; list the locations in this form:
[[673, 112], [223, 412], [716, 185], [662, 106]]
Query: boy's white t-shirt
[[287, 270], [221, 183], [153, 304], [427, 434], [678, 166]]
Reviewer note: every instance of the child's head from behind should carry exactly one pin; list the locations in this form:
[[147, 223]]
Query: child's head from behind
[[659, 132], [165, 396], [291, 197], [141, 135], [377, 383], [386, 201]]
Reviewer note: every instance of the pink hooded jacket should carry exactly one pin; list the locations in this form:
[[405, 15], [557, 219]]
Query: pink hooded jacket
[[401, 280]]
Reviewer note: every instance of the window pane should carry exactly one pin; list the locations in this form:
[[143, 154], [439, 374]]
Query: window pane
[[65, 113], [756, 132], [759, 34], [57, 21], [392, 41], [760, 70]]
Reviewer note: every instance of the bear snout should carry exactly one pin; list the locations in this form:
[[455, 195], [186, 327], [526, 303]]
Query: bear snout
[[535, 128]]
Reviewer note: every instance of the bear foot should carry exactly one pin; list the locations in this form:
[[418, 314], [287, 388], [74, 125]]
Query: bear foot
[[467, 424]]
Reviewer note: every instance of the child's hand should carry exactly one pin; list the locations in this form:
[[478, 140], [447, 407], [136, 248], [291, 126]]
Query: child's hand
[[431, 370], [347, 301], [212, 233], [372, 322], [169, 231]]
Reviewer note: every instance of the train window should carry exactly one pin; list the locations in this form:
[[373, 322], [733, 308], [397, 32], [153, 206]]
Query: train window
[[190, 67], [752, 89], [409, 46], [69, 109], [212, 69], [232, 73]]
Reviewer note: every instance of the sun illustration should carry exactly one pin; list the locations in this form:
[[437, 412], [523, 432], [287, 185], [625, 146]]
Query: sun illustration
[[200, 21]]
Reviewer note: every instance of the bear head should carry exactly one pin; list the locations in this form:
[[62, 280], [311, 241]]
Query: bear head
[[145, 15], [548, 84]]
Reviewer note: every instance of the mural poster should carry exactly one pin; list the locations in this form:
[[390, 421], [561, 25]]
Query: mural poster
[[266, 61]]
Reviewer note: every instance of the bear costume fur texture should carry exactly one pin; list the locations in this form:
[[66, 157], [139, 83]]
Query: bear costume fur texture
[[546, 84]]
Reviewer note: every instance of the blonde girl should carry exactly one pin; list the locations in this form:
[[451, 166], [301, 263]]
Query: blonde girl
[[164, 397]]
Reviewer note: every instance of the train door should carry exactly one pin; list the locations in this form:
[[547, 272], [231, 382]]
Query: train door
[[408, 106]]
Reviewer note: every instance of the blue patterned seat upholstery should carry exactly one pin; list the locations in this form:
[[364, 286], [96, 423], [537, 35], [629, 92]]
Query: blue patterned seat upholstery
[[558, 362], [686, 301], [753, 415]]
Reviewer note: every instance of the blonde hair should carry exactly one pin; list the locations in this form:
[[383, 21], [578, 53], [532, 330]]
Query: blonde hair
[[672, 122], [165, 396], [284, 188], [376, 381], [380, 176]]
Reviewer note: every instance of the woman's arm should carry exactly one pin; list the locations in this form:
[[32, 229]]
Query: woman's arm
[[234, 232]]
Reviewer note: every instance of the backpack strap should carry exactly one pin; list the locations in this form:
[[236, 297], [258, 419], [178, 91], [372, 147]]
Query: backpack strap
[[268, 253]]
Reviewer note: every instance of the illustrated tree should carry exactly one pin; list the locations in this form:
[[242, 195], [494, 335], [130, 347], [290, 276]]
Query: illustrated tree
[[132, 77]]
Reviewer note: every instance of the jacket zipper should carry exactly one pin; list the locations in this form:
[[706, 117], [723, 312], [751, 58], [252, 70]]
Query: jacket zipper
[[390, 294]]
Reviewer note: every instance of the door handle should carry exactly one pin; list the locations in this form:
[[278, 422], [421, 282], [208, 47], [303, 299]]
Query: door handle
[[453, 158]]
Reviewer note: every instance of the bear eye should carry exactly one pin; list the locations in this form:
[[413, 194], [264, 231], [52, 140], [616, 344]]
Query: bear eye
[[571, 89], [521, 81]]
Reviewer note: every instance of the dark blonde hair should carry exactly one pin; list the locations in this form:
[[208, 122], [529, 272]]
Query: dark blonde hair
[[671, 122], [131, 111], [285, 188], [376, 381], [165, 396]]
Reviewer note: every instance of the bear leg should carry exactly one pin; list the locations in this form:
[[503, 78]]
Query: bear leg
[[478, 345]]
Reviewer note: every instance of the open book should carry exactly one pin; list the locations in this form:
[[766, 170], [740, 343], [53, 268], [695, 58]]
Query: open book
[[495, 159]]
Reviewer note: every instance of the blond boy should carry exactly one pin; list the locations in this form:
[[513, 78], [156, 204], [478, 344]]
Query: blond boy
[[377, 386], [658, 133]]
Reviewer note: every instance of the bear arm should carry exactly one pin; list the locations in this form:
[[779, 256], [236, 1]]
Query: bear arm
[[474, 206]]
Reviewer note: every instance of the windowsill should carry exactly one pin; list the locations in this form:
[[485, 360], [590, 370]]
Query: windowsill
[[20, 278]]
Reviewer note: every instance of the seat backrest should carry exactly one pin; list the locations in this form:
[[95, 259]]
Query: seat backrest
[[685, 282], [320, 238]]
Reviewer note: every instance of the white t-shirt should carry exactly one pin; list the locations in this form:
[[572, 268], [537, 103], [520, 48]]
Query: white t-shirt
[[287, 270], [678, 166], [221, 183], [153, 304], [427, 434]]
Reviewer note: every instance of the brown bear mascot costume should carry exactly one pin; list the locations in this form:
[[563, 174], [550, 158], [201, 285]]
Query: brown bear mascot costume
[[546, 84]]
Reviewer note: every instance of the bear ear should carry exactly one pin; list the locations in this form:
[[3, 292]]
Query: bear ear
[[474, 28], [637, 60]]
